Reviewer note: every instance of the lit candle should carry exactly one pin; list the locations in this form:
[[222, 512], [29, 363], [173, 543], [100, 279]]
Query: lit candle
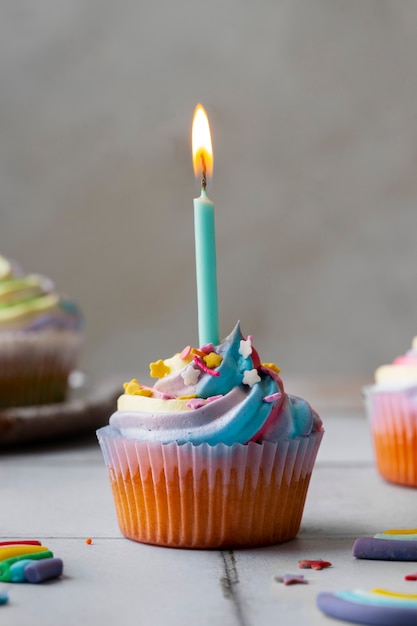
[[205, 240]]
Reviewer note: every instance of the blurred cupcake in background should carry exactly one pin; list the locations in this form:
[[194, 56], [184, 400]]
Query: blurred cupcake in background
[[40, 338], [391, 404]]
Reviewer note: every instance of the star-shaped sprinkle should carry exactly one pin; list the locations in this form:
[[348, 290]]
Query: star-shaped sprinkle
[[212, 360], [133, 388], [315, 564], [411, 576], [251, 377], [291, 579], [245, 348], [272, 366], [190, 375], [159, 369]]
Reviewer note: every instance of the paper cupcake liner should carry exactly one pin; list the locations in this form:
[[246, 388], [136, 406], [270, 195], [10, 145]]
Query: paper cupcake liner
[[34, 366], [208, 496], [393, 419]]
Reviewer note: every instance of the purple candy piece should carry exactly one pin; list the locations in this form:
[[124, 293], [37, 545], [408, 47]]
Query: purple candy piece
[[385, 549], [38, 571], [369, 614]]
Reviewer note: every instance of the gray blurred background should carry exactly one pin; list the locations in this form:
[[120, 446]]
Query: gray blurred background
[[313, 112]]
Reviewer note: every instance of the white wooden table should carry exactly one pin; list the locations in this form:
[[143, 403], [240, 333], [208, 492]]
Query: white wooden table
[[60, 494]]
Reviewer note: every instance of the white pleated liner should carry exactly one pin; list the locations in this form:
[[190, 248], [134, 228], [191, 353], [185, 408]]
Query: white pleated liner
[[393, 418], [290, 463]]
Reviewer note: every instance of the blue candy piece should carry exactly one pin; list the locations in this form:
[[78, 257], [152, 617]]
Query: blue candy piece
[[38, 571], [4, 596], [385, 549], [368, 608], [17, 571]]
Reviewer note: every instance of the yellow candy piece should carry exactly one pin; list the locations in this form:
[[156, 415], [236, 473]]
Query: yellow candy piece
[[272, 366], [18, 550], [409, 531], [159, 369], [212, 360], [190, 397], [393, 594]]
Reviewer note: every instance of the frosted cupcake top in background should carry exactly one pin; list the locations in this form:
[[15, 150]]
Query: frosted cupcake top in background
[[30, 302], [402, 372]]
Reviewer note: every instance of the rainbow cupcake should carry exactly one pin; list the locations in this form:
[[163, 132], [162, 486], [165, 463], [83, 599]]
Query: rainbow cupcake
[[215, 454], [392, 408], [40, 339]]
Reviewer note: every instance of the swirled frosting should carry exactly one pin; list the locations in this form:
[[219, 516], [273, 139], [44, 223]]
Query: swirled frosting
[[30, 302], [214, 394], [401, 372]]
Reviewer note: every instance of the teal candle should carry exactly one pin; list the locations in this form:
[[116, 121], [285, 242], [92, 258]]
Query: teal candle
[[205, 238], [205, 259]]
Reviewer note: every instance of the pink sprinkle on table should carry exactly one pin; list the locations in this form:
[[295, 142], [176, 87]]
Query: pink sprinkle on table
[[314, 564]]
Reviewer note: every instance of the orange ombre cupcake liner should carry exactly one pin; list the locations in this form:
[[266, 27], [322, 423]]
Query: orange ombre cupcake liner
[[204, 496], [393, 418]]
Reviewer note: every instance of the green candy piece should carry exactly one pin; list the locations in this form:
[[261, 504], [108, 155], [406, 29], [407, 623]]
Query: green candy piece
[[5, 576]]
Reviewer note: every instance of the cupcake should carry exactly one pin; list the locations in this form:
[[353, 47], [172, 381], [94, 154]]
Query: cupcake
[[214, 454], [391, 404], [40, 338]]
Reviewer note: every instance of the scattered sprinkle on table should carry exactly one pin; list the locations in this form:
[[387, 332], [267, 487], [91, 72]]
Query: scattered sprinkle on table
[[411, 576], [291, 579], [89, 541], [314, 564]]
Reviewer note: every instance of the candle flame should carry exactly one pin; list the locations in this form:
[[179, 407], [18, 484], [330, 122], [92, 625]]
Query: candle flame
[[201, 145]]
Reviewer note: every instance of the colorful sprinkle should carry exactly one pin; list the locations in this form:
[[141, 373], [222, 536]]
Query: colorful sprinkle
[[251, 377], [197, 352], [245, 348], [133, 388], [190, 375], [204, 367], [207, 348], [291, 579], [89, 541], [274, 397], [159, 369], [212, 360], [272, 366], [411, 576], [314, 564], [185, 353], [197, 403]]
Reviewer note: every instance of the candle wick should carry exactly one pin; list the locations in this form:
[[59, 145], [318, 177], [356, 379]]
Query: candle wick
[[203, 173]]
